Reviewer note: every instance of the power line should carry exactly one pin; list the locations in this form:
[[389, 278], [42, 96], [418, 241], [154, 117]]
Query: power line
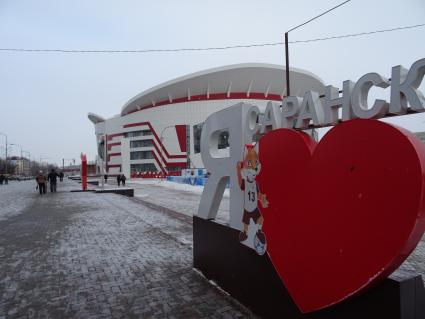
[[287, 77], [359, 34], [318, 16], [213, 48]]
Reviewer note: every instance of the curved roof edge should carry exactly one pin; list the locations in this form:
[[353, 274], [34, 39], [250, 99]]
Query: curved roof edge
[[94, 118], [215, 70]]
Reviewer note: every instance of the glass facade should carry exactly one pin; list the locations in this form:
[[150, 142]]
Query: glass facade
[[223, 139], [141, 155], [101, 149], [141, 143], [149, 167], [197, 130], [138, 133]]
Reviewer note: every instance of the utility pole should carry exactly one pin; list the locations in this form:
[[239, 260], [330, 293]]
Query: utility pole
[[288, 92]]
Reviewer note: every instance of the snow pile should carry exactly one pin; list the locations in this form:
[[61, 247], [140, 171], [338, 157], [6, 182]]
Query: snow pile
[[196, 189]]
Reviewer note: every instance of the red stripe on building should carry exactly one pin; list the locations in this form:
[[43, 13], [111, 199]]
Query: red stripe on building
[[181, 136], [155, 137], [113, 144], [106, 152], [110, 137], [135, 124], [215, 96], [113, 154], [176, 164], [164, 160]]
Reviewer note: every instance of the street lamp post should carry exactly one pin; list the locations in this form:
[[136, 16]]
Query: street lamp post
[[104, 163], [20, 146], [6, 152]]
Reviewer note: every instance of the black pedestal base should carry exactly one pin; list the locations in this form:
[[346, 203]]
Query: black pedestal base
[[129, 192], [253, 281]]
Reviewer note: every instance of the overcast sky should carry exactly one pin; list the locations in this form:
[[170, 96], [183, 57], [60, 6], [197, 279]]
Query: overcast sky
[[45, 97]]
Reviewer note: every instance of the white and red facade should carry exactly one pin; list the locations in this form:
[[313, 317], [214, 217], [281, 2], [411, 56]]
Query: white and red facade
[[155, 130]]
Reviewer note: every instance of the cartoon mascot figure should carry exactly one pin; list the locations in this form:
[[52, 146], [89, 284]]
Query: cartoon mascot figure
[[247, 171]]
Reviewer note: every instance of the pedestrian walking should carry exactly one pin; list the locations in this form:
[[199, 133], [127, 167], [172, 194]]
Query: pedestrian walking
[[6, 179], [52, 178], [1, 179], [41, 182], [106, 178], [61, 176], [123, 178], [119, 179]]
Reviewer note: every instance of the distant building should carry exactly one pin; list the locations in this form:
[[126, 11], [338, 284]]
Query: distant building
[[22, 165], [160, 129], [91, 169], [71, 170]]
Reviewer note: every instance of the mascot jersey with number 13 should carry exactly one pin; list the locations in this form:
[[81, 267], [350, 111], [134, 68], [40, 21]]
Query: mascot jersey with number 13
[[247, 171]]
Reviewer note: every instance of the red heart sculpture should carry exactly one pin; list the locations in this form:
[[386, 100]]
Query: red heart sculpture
[[343, 214]]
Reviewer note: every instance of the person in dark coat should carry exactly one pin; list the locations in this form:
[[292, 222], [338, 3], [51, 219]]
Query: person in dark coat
[[41, 182], [123, 178], [1, 179], [61, 176], [106, 178], [52, 178], [119, 179]]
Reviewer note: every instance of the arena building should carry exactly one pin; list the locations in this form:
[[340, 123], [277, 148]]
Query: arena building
[[159, 129]]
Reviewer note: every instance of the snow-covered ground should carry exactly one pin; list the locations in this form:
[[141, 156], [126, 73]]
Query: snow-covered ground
[[10, 203], [196, 189], [181, 198], [81, 255], [88, 255], [185, 199]]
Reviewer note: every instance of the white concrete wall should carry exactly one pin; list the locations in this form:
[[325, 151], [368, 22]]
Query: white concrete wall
[[125, 157], [161, 118]]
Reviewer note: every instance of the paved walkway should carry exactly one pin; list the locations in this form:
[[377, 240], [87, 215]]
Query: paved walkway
[[185, 200], [86, 255]]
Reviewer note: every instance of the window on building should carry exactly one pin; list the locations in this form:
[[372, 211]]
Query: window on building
[[101, 149], [146, 132], [141, 143], [148, 167], [257, 135], [138, 133], [197, 131], [141, 155], [223, 140]]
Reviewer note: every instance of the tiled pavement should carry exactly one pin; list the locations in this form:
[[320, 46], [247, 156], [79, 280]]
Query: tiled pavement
[[75, 255], [186, 203], [85, 255]]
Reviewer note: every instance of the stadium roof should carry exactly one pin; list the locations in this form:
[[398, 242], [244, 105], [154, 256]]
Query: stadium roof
[[248, 80], [95, 118]]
